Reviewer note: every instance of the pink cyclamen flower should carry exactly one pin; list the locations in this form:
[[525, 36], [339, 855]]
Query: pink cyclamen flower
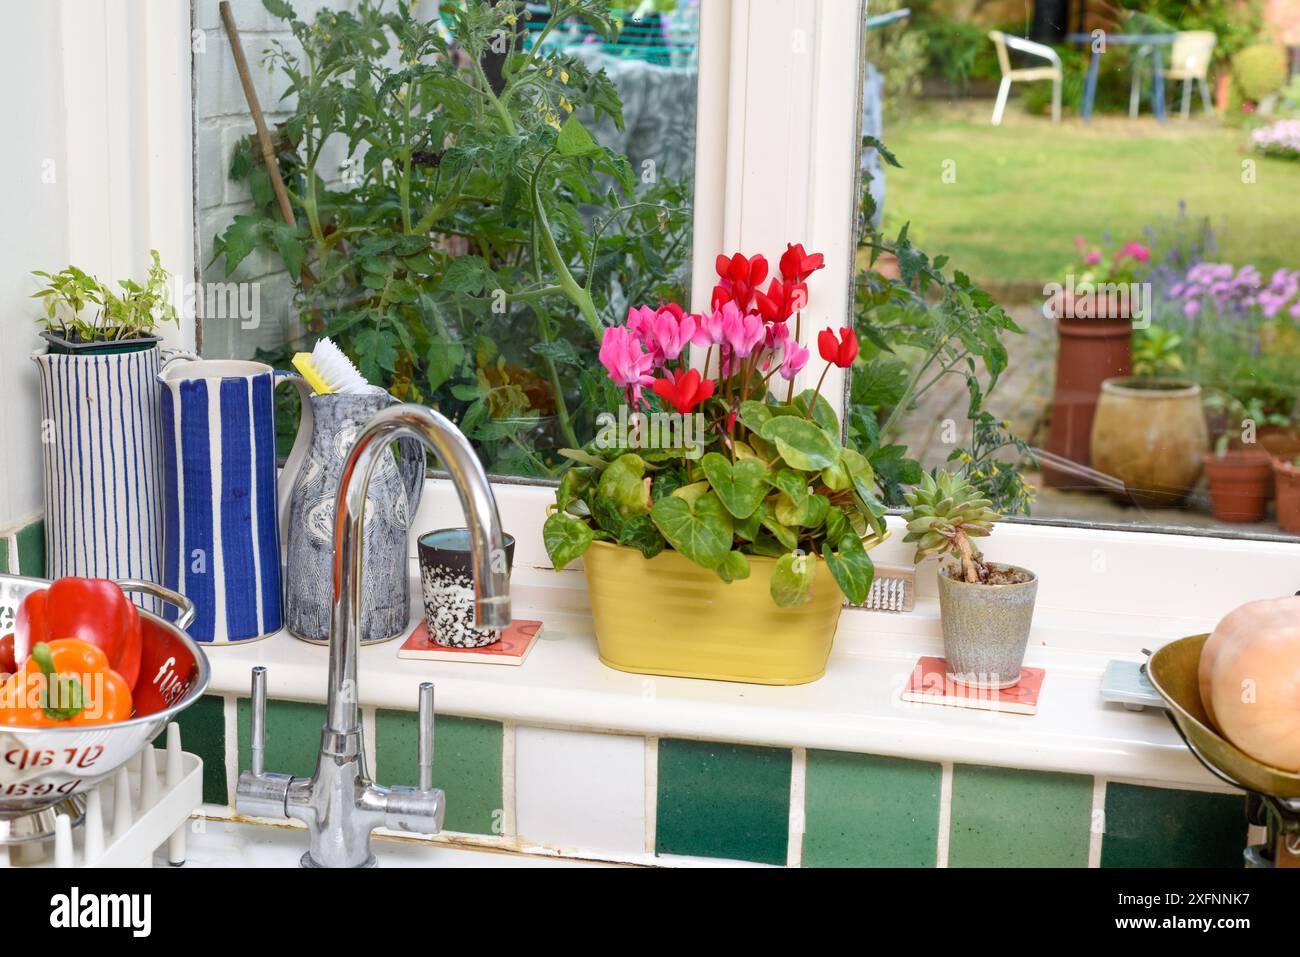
[[628, 364], [743, 333], [1093, 258], [640, 322], [796, 357], [709, 328], [670, 333]]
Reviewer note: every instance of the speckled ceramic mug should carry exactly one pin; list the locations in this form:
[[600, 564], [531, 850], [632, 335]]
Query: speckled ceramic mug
[[447, 580], [986, 629]]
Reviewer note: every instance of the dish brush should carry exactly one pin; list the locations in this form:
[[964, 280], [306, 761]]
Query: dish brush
[[894, 589], [328, 370]]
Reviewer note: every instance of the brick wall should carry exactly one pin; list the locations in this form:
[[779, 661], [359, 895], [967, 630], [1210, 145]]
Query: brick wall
[[222, 119]]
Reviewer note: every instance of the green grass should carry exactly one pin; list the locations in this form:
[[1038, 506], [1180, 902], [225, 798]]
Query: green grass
[[1024, 190]]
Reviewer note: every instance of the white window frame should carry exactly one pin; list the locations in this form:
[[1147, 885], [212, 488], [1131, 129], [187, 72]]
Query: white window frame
[[776, 161]]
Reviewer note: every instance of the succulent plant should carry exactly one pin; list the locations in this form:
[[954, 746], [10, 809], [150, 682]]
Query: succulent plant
[[946, 513]]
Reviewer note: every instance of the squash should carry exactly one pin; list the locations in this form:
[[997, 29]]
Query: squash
[[1249, 677]]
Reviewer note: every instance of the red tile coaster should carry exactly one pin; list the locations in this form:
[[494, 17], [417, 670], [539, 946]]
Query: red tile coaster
[[930, 684], [516, 641]]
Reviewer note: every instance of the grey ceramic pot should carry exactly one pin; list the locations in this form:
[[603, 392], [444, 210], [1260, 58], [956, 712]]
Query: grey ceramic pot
[[986, 629], [391, 500]]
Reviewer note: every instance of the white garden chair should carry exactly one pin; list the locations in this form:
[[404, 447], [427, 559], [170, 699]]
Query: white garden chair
[[1002, 41], [1190, 62]]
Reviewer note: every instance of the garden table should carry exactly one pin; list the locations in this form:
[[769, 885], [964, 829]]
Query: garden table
[[1153, 40]]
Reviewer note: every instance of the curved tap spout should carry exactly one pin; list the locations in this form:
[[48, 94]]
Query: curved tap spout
[[487, 549]]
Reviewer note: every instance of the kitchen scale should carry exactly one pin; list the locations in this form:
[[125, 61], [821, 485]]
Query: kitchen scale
[[1272, 795]]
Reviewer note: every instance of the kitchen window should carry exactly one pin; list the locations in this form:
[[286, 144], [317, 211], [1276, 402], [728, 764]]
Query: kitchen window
[[476, 191], [779, 109]]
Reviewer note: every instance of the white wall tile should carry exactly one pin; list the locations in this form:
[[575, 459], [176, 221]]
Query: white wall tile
[[578, 791]]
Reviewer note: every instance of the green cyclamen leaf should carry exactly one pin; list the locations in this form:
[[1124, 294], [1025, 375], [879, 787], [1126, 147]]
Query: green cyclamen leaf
[[641, 533], [852, 568], [623, 484], [566, 538], [733, 568], [792, 579], [741, 487], [803, 444], [701, 530]]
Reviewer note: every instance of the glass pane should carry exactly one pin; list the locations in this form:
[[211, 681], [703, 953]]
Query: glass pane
[[475, 191], [1096, 316]]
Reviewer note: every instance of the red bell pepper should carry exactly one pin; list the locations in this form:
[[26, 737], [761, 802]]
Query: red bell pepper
[[94, 610]]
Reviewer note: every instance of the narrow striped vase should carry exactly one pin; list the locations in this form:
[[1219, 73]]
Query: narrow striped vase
[[100, 440], [223, 530]]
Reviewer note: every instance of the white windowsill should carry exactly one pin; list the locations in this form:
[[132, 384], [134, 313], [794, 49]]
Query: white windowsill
[[854, 707], [1103, 595]]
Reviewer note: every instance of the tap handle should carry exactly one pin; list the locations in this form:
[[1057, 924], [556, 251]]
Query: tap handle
[[426, 735], [259, 720]]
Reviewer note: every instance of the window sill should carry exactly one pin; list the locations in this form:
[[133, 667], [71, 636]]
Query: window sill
[[854, 707]]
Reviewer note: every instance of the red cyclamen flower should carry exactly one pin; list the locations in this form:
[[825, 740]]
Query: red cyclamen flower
[[683, 390], [797, 265], [841, 352]]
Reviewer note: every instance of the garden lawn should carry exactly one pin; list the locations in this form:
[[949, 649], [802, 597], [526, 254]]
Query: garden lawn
[[1024, 190]]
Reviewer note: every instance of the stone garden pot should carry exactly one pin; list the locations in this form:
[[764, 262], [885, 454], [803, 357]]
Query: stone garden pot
[[1150, 434], [986, 629]]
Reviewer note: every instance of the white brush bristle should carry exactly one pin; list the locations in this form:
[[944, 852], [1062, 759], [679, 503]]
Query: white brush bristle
[[893, 590], [337, 369]]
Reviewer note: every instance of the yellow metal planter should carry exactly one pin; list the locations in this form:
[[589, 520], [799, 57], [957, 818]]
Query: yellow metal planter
[[667, 616]]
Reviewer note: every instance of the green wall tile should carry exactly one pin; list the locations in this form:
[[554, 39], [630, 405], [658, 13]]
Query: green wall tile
[[292, 736], [203, 732], [861, 810], [1006, 818], [31, 549], [466, 765], [1160, 827], [723, 800]]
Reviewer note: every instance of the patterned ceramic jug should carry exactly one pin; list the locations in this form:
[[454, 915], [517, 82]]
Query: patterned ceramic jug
[[223, 502], [391, 501]]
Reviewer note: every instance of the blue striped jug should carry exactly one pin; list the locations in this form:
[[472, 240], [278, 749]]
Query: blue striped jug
[[224, 513], [100, 453]]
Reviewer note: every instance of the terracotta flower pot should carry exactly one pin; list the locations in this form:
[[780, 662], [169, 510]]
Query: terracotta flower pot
[[1280, 441], [1287, 477], [1089, 352], [1150, 434], [1241, 483]]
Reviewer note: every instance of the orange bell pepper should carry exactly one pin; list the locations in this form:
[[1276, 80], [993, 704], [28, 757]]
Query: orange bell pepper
[[64, 683]]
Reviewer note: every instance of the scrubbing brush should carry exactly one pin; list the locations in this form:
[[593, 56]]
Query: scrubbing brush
[[894, 589], [328, 370]]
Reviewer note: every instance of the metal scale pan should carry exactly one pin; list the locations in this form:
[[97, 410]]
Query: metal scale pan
[[1275, 794]]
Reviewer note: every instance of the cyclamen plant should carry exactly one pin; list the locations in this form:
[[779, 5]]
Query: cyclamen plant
[[769, 477]]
